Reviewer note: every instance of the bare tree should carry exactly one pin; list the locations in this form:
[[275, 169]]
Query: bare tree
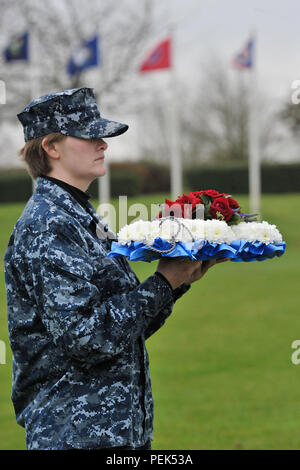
[[56, 27], [290, 115], [217, 126], [213, 113]]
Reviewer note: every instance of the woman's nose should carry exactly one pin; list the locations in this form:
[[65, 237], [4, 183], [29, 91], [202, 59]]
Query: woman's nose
[[101, 144]]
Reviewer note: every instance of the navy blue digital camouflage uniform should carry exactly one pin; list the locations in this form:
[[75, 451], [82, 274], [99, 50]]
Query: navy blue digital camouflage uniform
[[78, 322]]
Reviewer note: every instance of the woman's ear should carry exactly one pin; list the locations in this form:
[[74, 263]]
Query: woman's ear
[[50, 149]]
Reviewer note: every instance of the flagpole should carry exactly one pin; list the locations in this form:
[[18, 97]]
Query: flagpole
[[33, 70], [103, 181], [163, 57], [104, 189], [174, 126], [254, 154]]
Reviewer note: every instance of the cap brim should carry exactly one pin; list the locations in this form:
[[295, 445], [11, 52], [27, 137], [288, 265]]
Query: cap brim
[[98, 128]]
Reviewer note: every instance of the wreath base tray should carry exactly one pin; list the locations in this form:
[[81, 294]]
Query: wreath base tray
[[238, 250]]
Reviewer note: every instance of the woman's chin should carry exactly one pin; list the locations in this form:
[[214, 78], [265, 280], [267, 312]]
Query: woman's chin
[[101, 171]]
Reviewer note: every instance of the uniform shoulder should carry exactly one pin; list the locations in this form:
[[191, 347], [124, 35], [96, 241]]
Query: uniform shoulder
[[41, 215]]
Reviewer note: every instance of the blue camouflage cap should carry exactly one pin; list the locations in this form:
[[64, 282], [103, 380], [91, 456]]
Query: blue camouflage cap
[[71, 112]]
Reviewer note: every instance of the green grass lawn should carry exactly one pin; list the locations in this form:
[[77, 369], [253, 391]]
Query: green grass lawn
[[221, 367]]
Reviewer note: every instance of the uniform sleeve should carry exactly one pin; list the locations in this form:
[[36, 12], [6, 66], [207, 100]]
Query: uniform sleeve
[[87, 328], [179, 291], [160, 319]]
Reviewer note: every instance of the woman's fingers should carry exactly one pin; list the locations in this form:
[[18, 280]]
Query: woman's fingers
[[207, 264], [185, 270], [204, 266], [222, 260]]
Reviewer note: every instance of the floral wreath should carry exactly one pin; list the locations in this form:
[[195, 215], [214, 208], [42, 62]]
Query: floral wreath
[[201, 225]]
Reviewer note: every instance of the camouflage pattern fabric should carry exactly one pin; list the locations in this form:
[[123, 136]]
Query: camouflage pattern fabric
[[78, 322], [71, 112]]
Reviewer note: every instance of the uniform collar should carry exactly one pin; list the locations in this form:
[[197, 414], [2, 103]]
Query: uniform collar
[[81, 196], [50, 190]]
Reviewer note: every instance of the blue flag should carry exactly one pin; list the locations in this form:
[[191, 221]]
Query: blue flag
[[84, 57], [18, 49]]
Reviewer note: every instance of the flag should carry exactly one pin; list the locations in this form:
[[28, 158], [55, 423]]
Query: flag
[[18, 48], [159, 58], [244, 59], [84, 57]]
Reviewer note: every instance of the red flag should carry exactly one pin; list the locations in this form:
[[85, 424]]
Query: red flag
[[159, 58]]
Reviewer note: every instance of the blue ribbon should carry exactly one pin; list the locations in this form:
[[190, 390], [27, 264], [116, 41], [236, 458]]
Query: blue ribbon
[[257, 251], [239, 250]]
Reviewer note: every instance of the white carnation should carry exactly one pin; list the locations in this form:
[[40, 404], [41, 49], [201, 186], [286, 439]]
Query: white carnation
[[124, 235], [168, 229], [187, 230], [242, 230], [217, 231], [151, 231], [257, 231], [138, 230], [268, 233], [193, 230]]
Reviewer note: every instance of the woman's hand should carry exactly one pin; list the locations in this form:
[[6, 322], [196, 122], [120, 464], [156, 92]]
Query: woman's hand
[[204, 267], [185, 271]]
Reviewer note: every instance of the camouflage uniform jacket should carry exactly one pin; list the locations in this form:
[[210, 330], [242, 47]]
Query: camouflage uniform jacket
[[78, 322]]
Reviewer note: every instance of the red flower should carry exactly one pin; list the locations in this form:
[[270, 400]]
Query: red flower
[[188, 204], [219, 205], [187, 199], [207, 192], [196, 194], [169, 203], [183, 206], [220, 208], [233, 203]]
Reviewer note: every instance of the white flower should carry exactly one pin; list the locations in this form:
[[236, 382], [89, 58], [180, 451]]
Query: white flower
[[257, 231], [187, 230], [168, 229], [138, 230], [242, 231], [124, 235], [268, 233], [193, 229], [151, 231], [217, 231]]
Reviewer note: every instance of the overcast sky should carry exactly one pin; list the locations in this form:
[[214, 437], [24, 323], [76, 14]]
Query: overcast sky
[[221, 28]]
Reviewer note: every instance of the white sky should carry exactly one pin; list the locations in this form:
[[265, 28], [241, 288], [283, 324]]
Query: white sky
[[221, 27]]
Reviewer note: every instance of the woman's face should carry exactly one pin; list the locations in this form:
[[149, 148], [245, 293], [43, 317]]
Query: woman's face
[[81, 159]]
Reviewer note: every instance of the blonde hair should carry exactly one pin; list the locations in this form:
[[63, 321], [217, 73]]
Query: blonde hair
[[35, 157]]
